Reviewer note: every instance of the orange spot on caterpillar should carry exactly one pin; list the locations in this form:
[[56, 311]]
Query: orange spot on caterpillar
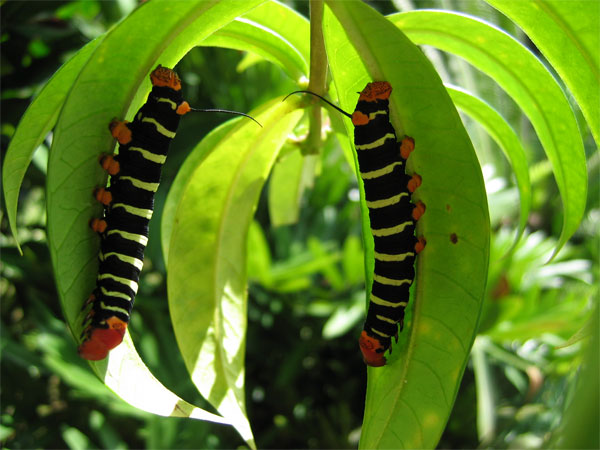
[[420, 245], [163, 76], [414, 183], [418, 210], [183, 108], [453, 238], [359, 118], [369, 347], [102, 340], [103, 196], [110, 164], [98, 225], [406, 147], [378, 90], [120, 131]]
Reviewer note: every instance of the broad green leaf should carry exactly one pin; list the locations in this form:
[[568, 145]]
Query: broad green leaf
[[246, 35], [292, 174], [568, 35], [195, 158], [35, 124], [207, 263], [409, 400], [259, 255], [506, 138], [156, 32], [527, 81], [284, 22]]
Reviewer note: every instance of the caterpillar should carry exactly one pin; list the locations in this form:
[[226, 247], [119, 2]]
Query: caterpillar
[[128, 206], [388, 189]]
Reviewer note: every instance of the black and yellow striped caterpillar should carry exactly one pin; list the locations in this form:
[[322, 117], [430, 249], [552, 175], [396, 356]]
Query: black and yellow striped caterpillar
[[128, 205], [388, 189]]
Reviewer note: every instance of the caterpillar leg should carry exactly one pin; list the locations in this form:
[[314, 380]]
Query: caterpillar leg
[[372, 350], [103, 195], [414, 183], [98, 225], [420, 245], [110, 164], [406, 147], [120, 131], [418, 210], [102, 340]]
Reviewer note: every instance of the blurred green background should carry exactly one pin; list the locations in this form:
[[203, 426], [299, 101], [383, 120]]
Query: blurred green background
[[305, 382]]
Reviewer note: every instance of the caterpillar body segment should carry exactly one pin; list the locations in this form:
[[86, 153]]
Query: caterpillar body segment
[[129, 202]]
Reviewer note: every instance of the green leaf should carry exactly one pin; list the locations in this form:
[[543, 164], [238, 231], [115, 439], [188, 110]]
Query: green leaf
[[113, 80], [285, 23], [527, 81], [246, 35], [568, 35], [506, 138], [194, 159], [409, 400], [35, 124], [207, 262], [292, 174]]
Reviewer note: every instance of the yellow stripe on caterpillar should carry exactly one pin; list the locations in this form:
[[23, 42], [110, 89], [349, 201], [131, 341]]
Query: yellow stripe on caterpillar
[[380, 172], [152, 187], [390, 281], [140, 212], [139, 238], [161, 129], [377, 143], [125, 281], [169, 101], [380, 333], [391, 257], [381, 302], [377, 113], [386, 201], [386, 319], [114, 308], [391, 230], [115, 294], [137, 263], [146, 154]]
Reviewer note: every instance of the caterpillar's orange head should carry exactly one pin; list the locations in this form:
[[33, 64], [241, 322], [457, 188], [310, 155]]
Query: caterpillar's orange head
[[163, 76], [377, 90], [369, 346], [102, 340]]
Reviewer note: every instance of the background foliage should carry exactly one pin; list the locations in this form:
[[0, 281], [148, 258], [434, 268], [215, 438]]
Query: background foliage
[[306, 296]]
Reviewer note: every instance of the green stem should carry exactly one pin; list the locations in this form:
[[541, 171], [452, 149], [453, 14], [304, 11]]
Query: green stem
[[318, 75]]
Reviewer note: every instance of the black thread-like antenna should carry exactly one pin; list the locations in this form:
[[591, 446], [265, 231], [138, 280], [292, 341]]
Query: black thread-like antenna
[[226, 111], [322, 98]]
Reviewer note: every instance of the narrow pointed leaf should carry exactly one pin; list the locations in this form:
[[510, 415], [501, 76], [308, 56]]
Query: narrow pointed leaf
[[285, 22], [568, 35], [291, 175], [506, 138], [195, 158], [409, 400], [35, 124], [244, 34], [206, 273], [114, 80], [527, 81]]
